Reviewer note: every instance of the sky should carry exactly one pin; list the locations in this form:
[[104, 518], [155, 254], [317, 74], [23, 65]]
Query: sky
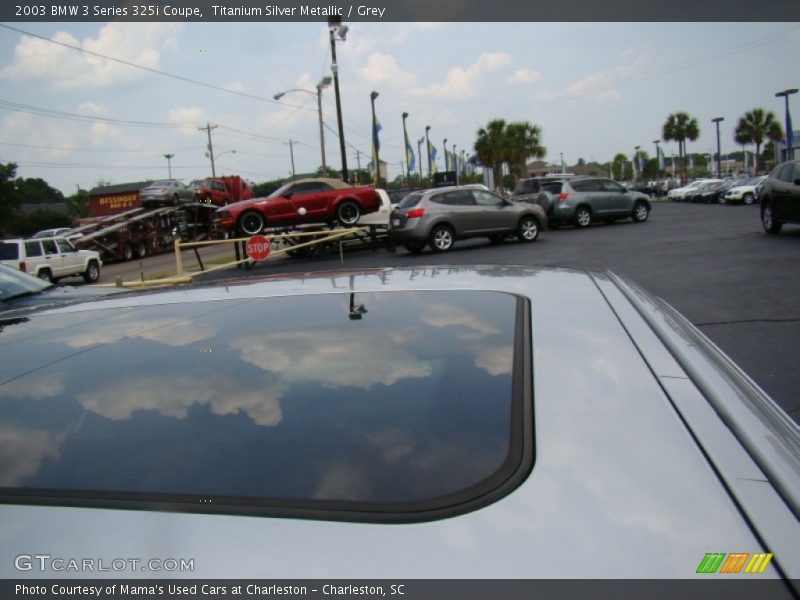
[[594, 89]]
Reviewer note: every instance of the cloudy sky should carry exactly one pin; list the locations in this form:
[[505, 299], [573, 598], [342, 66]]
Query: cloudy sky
[[595, 89]]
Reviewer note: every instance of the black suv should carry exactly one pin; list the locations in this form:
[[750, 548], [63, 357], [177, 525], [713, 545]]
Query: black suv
[[780, 196]]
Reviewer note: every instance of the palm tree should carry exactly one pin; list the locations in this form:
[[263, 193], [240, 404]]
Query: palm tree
[[522, 143], [618, 166], [756, 125], [491, 147], [680, 127]]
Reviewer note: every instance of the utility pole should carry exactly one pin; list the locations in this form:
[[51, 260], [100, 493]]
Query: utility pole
[[291, 154], [335, 27], [208, 129], [376, 160]]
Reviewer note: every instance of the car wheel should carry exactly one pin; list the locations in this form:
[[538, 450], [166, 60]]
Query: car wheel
[[528, 229], [768, 220], [251, 223], [141, 248], [748, 198], [441, 238], [127, 252], [583, 217], [45, 275], [414, 247], [92, 272], [348, 213], [640, 212]]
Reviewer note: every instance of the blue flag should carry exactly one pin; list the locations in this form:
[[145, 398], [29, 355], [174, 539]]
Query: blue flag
[[410, 158], [432, 154]]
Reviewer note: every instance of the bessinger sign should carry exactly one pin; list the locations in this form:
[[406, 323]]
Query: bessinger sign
[[258, 247]]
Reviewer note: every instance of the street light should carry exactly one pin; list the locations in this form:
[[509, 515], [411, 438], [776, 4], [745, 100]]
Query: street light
[[376, 161], [323, 83], [419, 153], [716, 121], [635, 165], [446, 159], [405, 147], [428, 149], [169, 158], [336, 29], [658, 156], [789, 133]]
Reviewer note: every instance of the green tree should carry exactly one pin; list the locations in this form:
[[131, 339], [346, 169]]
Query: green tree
[[37, 191], [754, 127], [490, 146], [618, 166], [78, 204], [680, 127], [522, 143], [9, 199]]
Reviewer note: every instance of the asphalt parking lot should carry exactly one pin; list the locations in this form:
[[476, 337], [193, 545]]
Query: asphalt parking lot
[[713, 263]]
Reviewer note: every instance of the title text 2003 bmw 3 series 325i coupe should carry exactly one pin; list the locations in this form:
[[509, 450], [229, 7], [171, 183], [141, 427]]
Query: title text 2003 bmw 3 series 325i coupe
[[495, 422]]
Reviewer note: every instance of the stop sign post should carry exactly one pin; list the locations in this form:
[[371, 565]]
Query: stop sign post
[[258, 247]]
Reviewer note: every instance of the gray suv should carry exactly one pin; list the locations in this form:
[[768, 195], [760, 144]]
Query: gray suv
[[581, 200], [439, 217]]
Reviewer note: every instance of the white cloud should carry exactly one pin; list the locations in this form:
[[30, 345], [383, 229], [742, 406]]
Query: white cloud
[[43, 386], [191, 118], [65, 68], [461, 83], [599, 87], [524, 76], [383, 69], [22, 452], [360, 361], [174, 396]]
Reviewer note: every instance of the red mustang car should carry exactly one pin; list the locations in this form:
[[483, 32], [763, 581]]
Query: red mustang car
[[317, 200]]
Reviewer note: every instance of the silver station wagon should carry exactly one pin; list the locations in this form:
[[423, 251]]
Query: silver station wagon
[[442, 422]]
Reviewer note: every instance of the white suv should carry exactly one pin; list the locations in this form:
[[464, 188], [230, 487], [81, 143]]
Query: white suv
[[50, 258]]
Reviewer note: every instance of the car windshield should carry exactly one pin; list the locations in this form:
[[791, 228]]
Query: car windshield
[[14, 284]]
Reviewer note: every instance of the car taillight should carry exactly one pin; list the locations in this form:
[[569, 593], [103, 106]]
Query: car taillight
[[563, 196], [415, 213], [23, 267]]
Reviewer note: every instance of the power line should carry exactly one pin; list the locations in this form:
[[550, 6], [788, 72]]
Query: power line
[[149, 69], [70, 149]]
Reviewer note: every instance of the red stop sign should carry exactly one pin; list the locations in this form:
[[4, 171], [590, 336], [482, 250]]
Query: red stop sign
[[258, 247]]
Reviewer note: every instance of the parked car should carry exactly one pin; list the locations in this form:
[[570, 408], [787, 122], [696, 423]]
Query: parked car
[[708, 192], [682, 193], [780, 196], [165, 192], [316, 200], [438, 217], [743, 191], [527, 188], [469, 422], [581, 200], [51, 259]]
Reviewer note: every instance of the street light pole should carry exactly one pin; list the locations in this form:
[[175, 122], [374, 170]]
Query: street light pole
[[376, 160], [169, 158], [335, 27], [291, 155], [635, 165], [716, 121], [658, 156], [428, 149], [419, 153], [405, 147], [446, 158], [789, 133]]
